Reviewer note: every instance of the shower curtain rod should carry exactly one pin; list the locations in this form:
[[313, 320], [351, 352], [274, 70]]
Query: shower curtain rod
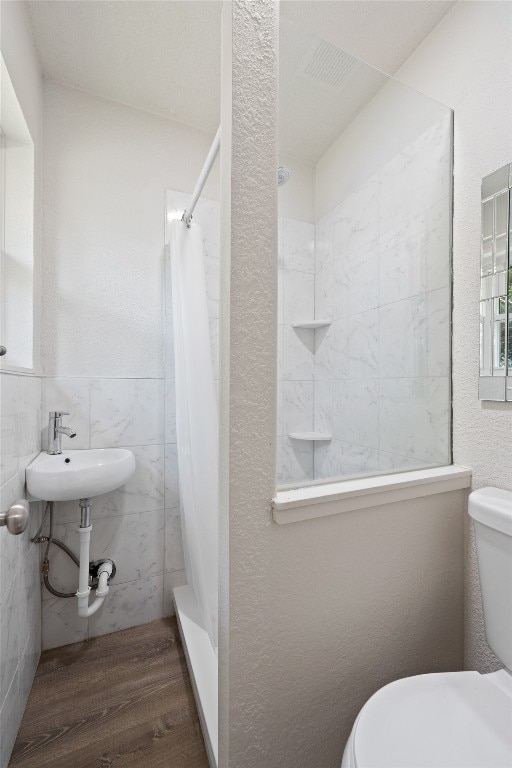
[[205, 172]]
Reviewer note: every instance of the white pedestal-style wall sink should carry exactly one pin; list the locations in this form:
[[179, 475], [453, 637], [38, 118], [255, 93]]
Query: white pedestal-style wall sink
[[74, 475]]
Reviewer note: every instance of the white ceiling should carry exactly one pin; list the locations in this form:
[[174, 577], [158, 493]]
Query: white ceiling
[[321, 90], [164, 57], [383, 33]]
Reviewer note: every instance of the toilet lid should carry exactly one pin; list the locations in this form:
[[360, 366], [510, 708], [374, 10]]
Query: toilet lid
[[450, 720]]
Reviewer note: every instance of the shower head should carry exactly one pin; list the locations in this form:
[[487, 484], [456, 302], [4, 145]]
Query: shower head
[[283, 174]]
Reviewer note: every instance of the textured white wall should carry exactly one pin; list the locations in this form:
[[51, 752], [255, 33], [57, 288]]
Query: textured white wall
[[466, 63], [248, 383], [321, 613], [106, 169]]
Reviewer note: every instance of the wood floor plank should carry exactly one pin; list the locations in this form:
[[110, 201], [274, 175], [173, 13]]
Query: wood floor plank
[[76, 730], [117, 701], [152, 744], [107, 681]]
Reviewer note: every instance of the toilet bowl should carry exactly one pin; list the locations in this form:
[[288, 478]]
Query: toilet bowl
[[452, 719], [447, 720]]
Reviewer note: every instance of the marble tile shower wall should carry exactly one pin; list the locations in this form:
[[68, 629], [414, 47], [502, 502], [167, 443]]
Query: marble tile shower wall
[[296, 349], [382, 274], [20, 593]]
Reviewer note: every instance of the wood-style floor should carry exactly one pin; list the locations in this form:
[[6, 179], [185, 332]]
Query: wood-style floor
[[119, 701]]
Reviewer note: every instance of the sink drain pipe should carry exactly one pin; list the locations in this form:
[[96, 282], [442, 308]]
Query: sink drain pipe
[[104, 568]]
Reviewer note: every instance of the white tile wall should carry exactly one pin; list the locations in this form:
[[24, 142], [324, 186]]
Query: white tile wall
[[9, 720], [20, 590], [355, 286], [172, 482], [356, 412], [324, 351], [414, 418], [413, 338], [297, 406], [9, 427], [172, 580], [298, 246], [174, 559], [298, 354], [412, 260], [296, 348], [130, 604], [338, 459], [61, 624], [74, 397], [298, 296], [297, 460], [126, 412]]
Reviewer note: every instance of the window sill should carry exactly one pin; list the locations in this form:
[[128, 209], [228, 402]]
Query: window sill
[[349, 495]]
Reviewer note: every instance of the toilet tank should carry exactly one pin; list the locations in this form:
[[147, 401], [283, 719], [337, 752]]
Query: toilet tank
[[491, 510]]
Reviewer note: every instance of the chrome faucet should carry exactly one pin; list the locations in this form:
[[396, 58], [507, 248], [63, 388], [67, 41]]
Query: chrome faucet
[[55, 430]]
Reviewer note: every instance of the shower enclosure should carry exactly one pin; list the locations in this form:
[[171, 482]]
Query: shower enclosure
[[191, 404], [364, 268]]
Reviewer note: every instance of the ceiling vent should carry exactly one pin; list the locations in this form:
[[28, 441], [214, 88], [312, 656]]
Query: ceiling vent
[[328, 66]]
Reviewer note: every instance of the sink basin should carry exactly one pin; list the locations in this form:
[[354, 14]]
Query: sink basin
[[74, 475]]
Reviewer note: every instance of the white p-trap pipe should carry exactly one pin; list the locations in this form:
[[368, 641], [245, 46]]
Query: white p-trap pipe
[[104, 572]]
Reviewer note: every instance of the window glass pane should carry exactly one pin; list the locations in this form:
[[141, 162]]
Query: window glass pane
[[486, 340], [501, 256], [499, 344], [487, 259], [501, 215], [487, 218]]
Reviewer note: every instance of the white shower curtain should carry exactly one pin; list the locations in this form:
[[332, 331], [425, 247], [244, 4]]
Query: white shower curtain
[[197, 425]]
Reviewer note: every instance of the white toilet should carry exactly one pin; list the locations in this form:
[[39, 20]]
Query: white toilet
[[453, 719]]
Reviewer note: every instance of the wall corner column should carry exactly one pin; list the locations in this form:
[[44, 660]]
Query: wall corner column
[[248, 367]]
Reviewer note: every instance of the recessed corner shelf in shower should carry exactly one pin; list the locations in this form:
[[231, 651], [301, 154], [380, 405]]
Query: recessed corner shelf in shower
[[314, 324], [316, 436]]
